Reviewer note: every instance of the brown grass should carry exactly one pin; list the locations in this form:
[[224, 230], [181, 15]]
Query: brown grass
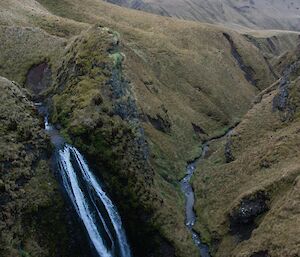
[[182, 71], [266, 154]]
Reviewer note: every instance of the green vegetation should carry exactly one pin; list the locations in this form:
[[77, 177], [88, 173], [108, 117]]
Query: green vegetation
[[167, 73], [266, 160], [17, 54], [117, 57], [33, 221], [85, 109]]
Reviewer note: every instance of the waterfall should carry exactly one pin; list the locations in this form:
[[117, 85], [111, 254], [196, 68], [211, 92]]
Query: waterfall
[[93, 206]]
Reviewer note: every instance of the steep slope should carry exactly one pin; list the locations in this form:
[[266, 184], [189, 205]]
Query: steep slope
[[93, 104], [247, 189], [177, 104], [176, 69], [34, 218], [255, 14], [137, 98]]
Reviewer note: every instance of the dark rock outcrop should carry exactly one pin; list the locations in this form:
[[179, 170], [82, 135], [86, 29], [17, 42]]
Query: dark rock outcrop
[[281, 100], [228, 151], [159, 123], [242, 219], [39, 78], [198, 130]]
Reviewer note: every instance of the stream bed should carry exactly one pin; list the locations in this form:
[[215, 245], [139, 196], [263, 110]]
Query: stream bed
[[188, 191]]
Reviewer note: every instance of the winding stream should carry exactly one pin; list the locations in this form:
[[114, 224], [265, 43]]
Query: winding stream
[[188, 191], [91, 203]]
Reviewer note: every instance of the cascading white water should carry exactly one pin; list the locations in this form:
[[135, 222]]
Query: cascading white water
[[105, 231], [77, 197], [97, 212]]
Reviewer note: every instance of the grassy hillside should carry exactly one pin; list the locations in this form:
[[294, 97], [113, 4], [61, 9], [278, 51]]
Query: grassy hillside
[[187, 69], [249, 203], [138, 94]]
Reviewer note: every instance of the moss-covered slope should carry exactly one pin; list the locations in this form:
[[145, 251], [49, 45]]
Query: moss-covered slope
[[94, 105], [33, 216], [138, 99]]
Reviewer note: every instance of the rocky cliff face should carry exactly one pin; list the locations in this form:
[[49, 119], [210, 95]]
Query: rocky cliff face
[[94, 105]]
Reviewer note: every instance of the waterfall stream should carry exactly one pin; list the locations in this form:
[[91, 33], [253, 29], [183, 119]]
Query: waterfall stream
[[93, 206]]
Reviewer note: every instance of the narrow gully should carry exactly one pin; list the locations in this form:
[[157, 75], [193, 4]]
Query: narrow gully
[[279, 102], [189, 194]]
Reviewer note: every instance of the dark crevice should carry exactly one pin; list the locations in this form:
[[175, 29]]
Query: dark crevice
[[159, 123], [39, 78], [198, 130], [249, 73], [271, 45], [261, 254]]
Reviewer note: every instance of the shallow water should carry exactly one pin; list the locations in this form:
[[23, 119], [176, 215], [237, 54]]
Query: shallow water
[[188, 191]]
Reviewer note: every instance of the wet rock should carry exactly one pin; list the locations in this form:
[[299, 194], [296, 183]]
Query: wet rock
[[260, 254], [119, 86], [242, 219], [39, 78], [228, 151], [126, 110]]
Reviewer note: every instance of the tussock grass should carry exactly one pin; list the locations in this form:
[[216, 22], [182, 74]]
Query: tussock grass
[[266, 152], [181, 71]]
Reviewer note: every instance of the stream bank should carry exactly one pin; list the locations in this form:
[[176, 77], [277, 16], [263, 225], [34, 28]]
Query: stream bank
[[188, 191]]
